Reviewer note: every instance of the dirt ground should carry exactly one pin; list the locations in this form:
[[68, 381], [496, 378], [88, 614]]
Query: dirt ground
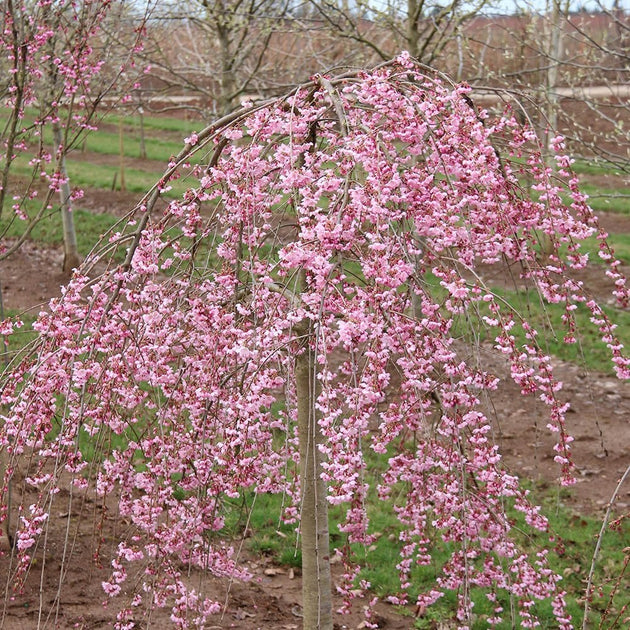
[[599, 421]]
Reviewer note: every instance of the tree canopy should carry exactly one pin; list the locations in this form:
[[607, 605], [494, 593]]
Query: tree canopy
[[349, 222]]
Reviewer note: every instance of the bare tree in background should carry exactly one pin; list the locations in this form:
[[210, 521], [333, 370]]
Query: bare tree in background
[[573, 67], [55, 54], [211, 52], [422, 27], [607, 66], [209, 56]]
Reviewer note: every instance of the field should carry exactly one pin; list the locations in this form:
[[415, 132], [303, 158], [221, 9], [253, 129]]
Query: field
[[600, 408]]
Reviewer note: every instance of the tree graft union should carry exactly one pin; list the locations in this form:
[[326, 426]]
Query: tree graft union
[[291, 273]]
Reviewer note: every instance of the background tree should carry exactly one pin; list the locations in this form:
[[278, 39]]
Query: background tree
[[54, 55], [259, 337], [423, 28], [571, 65], [215, 51]]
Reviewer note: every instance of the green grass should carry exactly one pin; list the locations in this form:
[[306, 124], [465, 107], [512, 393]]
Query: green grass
[[159, 123], [611, 192], [594, 167], [108, 143], [619, 242], [48, 230], [84, 174], [20, 338], [589, 351], [163, 136], [618, 205], [601, 199], [574, 537]]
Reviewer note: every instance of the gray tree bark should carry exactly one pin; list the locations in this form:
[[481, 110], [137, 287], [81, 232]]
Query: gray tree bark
[[71, 258], [4, 526], [316, 577]]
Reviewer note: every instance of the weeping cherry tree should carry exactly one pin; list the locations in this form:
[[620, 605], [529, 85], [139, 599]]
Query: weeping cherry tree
[[295, 316]]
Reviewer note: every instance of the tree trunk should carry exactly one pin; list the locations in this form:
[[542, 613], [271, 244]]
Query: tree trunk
[[143, 145], [121, 152], [227, 80], [316, 579], [553, 45], [71, 258], [554, 52], [413, 35]]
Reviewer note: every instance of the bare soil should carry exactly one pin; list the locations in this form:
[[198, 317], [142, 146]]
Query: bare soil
[[599, 421]]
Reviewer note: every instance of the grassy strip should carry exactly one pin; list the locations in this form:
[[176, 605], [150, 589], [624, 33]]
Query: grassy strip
[[159, 123], [574, 537], [618, 205], [84, 174], [615, 199], [164, 137], [108, 143], [594, 167], [589, 351], [620, 243], [49, 230], [163, 124]]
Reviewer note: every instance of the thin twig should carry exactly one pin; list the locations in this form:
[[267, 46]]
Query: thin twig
[[600, 536]]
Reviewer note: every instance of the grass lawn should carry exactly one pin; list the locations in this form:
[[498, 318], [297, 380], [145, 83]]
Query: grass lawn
[[589, 351], [49, 230], [575, 537], [603, 200]]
